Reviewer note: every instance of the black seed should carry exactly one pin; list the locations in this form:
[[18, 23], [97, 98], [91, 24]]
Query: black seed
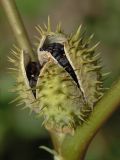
[[49, 50], [32, 71], [62, 49], [63, 61], [55, 49], [54, 54], [50, 47], [58, 57]]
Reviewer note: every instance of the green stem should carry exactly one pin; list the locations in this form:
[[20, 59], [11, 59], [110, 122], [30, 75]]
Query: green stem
[[17, 26], [75, 147]]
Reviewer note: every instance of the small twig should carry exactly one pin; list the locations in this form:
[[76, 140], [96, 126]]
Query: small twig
[[17, 26]]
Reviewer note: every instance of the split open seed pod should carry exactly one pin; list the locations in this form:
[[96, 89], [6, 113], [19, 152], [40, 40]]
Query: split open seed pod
[[65, 84]]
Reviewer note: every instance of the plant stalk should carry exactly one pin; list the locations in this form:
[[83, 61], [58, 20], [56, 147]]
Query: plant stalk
[[17, 26], [75, 147]]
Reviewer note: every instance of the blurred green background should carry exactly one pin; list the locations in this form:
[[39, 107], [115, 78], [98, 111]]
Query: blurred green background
[[20, 132]]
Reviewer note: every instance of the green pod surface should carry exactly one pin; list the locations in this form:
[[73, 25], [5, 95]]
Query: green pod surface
[[65, 89]]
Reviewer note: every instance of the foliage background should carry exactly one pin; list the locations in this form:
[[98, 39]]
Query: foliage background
[[20, 132]]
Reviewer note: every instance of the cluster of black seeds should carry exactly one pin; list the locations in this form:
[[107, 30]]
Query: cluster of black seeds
[[32, 71], [57, 51]]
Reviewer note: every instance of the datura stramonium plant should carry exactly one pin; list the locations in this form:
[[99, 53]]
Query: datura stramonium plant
[[65, 83]]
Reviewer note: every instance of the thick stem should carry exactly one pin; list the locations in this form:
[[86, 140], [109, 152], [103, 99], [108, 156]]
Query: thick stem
[[17, 26], [74, 147]]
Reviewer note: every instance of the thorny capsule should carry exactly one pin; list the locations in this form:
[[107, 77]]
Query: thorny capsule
[[66, 82]]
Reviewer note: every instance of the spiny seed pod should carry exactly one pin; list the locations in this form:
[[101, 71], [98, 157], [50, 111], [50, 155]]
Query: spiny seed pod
[[65, 84]]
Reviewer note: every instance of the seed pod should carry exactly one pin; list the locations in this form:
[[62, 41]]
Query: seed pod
[[65, 84]]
